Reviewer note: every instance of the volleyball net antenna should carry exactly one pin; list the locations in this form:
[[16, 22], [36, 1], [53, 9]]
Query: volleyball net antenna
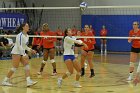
[[118, 20]]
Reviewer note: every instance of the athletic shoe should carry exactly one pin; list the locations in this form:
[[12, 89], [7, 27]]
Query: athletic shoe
[[39, 73], [130, 78], [54, 73], [59, 82], [30, 83], [77, 85], [6, 83], [92, 75]]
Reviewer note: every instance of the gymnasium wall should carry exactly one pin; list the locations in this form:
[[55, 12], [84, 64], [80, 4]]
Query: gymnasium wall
[[117, 21], [117, 25]]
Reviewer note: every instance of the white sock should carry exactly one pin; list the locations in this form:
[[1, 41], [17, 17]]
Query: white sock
[[28, 78], [76, 82], [131, 74], [101, 47], [60, 78], [6, 79]]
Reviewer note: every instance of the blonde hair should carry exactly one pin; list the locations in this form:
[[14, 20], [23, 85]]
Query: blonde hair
[[44, 26]]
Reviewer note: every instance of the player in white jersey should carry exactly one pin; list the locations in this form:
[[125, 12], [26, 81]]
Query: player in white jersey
[[69, 58], [19, 55]]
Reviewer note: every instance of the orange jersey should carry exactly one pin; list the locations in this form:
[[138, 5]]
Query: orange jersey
[[93, 31], [47, 42], [74, 32], [59, 33], [36, 41], [103, 32], [135, 42], [89, 41]]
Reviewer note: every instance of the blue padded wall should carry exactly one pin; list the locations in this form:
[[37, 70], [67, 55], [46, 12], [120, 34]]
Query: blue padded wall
[[117, 25]]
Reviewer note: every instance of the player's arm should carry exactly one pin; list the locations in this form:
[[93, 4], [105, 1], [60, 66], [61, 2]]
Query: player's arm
[[92, 40], [130, 39], [33, 41], [73, 40]]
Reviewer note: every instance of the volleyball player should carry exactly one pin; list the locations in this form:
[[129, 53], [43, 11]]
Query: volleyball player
[[92, 30], [36, 43], [59, 48], [48, 48], [74, 31], [103, 33], [19, 55], [87, 52], [69, 58], [77, 46], [135, 48]]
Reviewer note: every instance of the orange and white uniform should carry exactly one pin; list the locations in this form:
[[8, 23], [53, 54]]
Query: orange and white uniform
[[89, 41], [48, 42], [135, 42]]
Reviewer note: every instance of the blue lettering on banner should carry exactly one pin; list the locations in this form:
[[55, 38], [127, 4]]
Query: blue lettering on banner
[[11, 20]]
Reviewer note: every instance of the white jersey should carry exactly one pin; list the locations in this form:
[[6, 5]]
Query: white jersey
[[69, 45], [21, 44]]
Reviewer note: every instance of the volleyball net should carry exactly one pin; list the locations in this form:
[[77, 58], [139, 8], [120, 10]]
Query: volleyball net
[[117, 20]]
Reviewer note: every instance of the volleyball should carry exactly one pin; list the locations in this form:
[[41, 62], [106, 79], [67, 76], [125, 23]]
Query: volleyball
[[83, 6]]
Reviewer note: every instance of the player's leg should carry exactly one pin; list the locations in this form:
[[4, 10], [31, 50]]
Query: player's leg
[[90, 58], [25, 62], [105, 46], [69, 65], [77, 68], [101, 46], [137, 77], [15, 65], [83, 58], [52, 60], [133, 57], [45, 58]]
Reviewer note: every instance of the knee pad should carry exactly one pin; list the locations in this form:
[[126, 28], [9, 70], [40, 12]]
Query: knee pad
[[27, 67], [13, 69], [44, 62], [68, 73], [52, 61], [132, 64]]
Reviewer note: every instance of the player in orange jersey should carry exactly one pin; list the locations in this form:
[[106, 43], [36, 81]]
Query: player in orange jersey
[[135, 48], [103, 33], [48, 48], [92, 30], [87, 52], [36, 43], [77, 46], [59, 47], [74, 31]]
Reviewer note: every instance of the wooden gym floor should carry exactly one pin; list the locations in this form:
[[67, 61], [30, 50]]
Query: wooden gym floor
[[111, 73]]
